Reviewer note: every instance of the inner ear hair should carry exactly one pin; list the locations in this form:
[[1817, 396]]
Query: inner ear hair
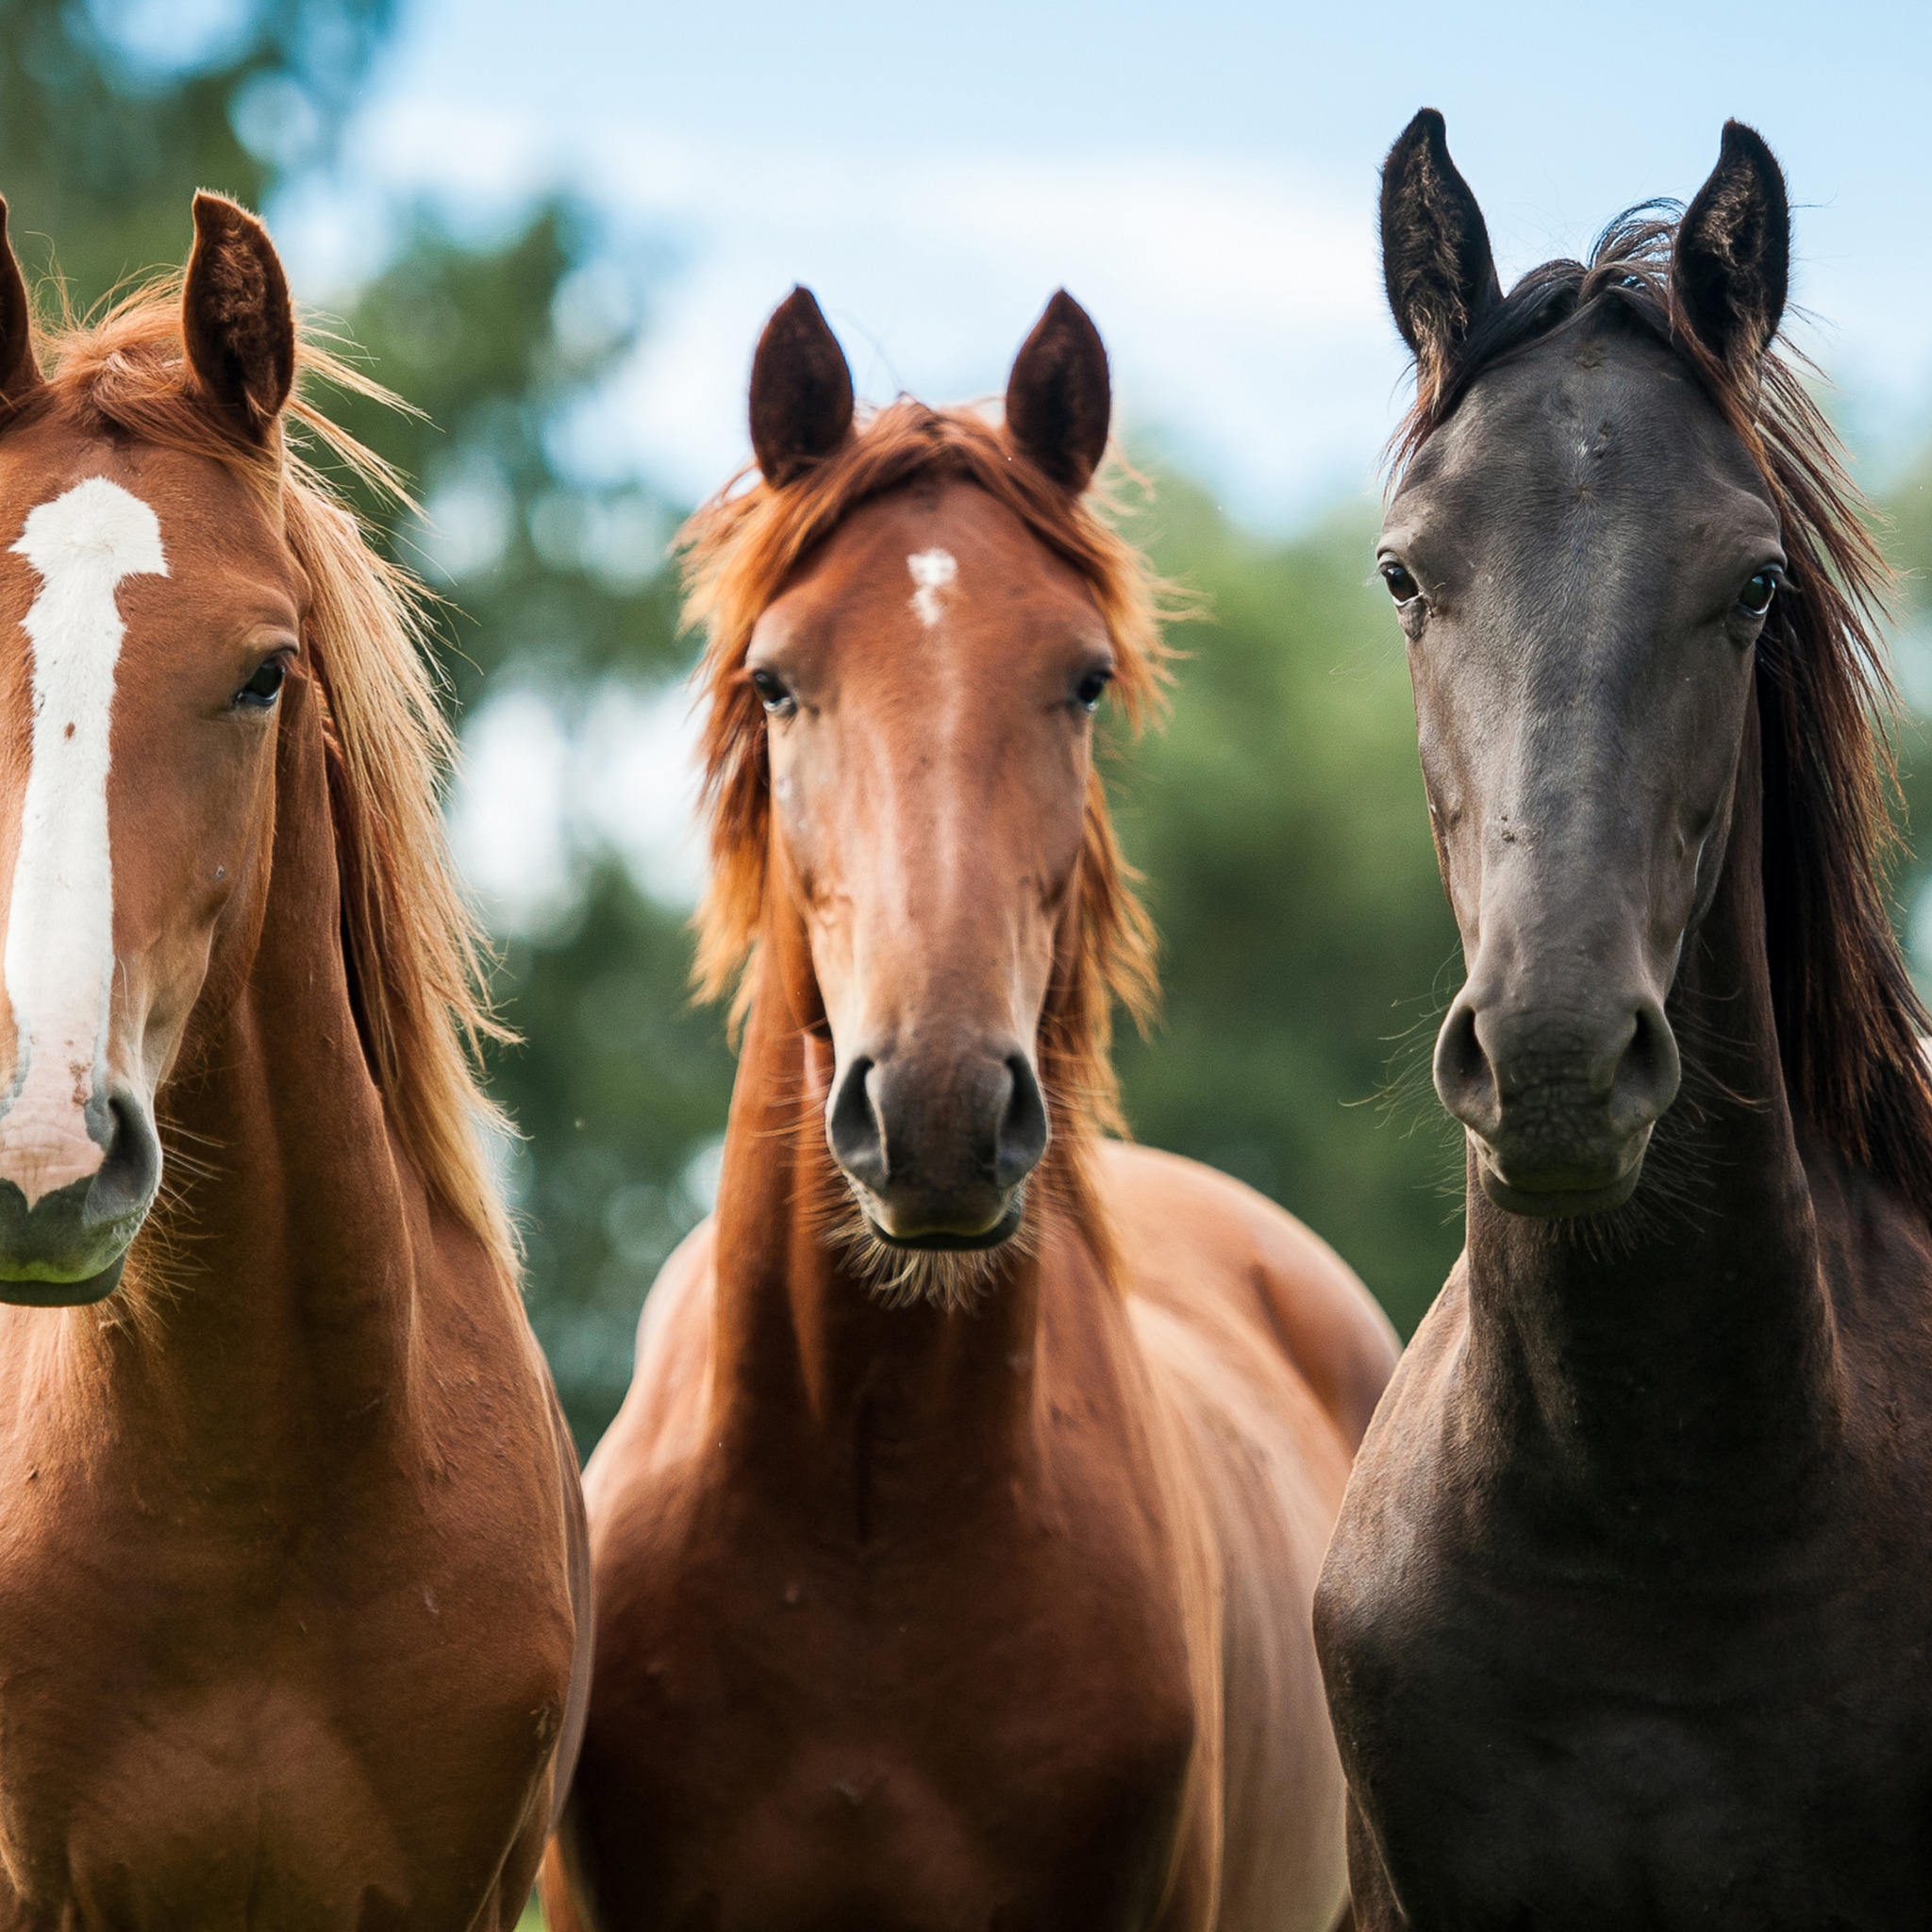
[[1730, 271], [1437, 264], [19, 374], [237, 319]]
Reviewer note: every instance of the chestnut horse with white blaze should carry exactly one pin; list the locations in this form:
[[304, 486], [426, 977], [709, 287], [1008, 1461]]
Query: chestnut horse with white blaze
[[954, 1548], [289, 1631]]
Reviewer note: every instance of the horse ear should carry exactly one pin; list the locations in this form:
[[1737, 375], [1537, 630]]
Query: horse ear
[[1059, 398], [237, 319], [19, 372], [801, 390], [1732, 265], [1436, 259]]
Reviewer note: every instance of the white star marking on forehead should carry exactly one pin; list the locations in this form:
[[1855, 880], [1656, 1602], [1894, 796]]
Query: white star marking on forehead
[[932, 570]]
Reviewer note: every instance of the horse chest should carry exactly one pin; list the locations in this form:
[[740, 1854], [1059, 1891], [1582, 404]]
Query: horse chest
[[1533, 1749], [333, 1727], [804, 1741]]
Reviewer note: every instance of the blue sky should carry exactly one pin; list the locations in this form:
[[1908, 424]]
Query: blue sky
[[1202, 176]]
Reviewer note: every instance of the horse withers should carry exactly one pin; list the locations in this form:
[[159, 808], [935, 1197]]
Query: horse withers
[[1626, 1619], [290, 1610], [956, 1544]]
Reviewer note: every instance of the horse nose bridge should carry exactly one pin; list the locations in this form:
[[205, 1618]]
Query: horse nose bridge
[[1565, 887], [1560, 1023], [55, 1107], [934, 967], [75, 1095]]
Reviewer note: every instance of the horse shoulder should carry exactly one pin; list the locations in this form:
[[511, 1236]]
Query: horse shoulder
[[1210, 1248], [1407, 1507]]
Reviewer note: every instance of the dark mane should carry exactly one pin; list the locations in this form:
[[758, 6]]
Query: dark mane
[[1849, 1021]]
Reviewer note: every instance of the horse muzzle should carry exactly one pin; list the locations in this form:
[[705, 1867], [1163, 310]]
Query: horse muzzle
[[1560, 1109], [938, 1154], [64, 1235]]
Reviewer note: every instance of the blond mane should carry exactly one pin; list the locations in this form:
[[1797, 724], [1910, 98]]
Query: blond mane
[[741, 550], [413, 950]]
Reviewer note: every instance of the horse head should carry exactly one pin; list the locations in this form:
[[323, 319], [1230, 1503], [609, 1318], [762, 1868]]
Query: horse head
[[902, 759], [1583, 550], [153, 615]]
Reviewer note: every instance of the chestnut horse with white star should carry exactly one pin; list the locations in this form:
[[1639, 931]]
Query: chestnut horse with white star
[[955, 1546], [289, 1631]]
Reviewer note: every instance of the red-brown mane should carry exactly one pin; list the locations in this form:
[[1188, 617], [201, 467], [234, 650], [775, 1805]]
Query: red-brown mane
[[743, 547], [411, 944], [1849, 1021]]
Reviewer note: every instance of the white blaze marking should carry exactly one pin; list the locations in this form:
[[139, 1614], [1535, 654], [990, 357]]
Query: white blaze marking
[[60, 959], [932, 570]]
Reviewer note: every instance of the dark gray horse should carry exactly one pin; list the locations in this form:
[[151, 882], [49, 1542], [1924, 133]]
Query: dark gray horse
[[1627, 1620]]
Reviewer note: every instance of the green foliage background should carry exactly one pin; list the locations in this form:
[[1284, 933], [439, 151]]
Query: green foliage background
[[1278, 817]]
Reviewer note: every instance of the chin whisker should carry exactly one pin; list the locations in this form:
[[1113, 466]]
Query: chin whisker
[[953, 1280]]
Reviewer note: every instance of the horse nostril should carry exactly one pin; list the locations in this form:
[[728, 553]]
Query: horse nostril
[[128, 1175], [852, 1130], [1464, 1077], [1023, 1129], [1647, 1076]]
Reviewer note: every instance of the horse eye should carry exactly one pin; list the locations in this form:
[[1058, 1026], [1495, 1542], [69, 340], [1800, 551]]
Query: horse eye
[[264, 688], [772, 693], [1402, 587], [1086, 693], [1754, 598]]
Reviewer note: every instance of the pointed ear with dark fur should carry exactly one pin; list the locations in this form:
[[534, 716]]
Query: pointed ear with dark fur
[[801, 390], [1059, 398], [237, 319], [19, 372], [1733, 260], [1436, 260]]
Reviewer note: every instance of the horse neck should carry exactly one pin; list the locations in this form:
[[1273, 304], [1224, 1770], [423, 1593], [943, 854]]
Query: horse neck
[[1683, 1346], [286, 1269], [813, 1372]]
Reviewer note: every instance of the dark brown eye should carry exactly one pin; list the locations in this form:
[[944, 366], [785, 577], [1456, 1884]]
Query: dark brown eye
[[772, 693], [264, 688], [1402, 587], [1090, 689], [1754, 598]]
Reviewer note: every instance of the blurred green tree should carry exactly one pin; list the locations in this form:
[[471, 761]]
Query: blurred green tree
[[1307, 948], [113, 113]]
